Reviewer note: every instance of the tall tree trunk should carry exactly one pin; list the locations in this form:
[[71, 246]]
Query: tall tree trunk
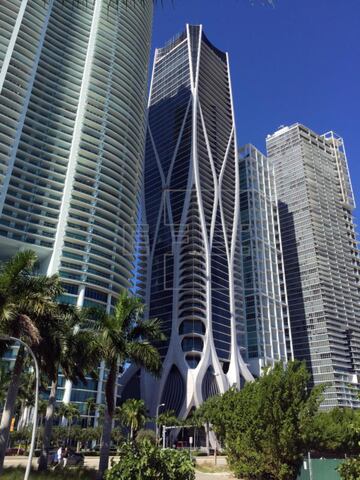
[[207, 427], [9, 406], [110, 393], [49, 419]]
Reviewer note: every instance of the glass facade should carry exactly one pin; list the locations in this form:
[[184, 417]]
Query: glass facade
[[191, 210], [73, 79], [321, 257], [268, 336]]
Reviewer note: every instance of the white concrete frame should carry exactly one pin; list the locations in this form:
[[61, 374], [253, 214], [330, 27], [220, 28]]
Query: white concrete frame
[[152, 389]]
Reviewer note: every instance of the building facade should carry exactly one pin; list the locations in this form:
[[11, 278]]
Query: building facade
[[73, 79], [191, 206], [321, 257], [268, 333]]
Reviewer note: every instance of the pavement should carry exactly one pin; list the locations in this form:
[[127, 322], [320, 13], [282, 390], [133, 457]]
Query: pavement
[[213, 476], [92, 462]]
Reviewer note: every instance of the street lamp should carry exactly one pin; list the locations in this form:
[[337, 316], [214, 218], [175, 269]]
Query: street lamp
[[35, 420], [156, 422]]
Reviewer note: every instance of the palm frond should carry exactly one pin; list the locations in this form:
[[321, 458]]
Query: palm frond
[[20, 264], [27, 329], [128, 309], [149, 329], [145, 355]]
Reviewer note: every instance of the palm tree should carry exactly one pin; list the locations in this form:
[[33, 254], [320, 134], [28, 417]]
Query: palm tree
[[90, 408], [68, 347], [23, 297], [124, 337], [4, 382], [70, 412], [132, 414]]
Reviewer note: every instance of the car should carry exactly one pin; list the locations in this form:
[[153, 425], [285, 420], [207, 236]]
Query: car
[[74, 459]]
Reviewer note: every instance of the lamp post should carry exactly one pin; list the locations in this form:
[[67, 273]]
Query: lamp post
[[156, 422], [36, 406]]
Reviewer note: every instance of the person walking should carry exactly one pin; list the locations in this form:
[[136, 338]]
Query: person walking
[[59, 455], [65, 456]]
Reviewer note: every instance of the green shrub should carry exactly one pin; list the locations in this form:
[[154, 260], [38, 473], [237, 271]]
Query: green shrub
[[67, 474], [350, 469], [145, 461], [143, 435]]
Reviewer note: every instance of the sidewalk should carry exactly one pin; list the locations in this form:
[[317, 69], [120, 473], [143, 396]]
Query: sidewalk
[[213, 476]]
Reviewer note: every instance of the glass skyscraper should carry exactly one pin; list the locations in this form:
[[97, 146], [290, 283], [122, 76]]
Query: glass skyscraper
[[321, 257], [191, 207], [73, 81], [268, 333]]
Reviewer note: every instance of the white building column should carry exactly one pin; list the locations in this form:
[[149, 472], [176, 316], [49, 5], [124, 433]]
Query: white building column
[[68, 383]]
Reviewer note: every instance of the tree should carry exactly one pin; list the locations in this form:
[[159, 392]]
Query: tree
[[24, 296], [169, 419], [146, 461], [350, 468], [68, 346], [4, 382], [124, 337], [70, 412], [337, 431], [209, 412], [146, 435], [132, 414], [266, 425], [90, 409]]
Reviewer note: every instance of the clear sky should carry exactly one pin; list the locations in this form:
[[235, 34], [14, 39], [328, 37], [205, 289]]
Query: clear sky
[[297, 62]]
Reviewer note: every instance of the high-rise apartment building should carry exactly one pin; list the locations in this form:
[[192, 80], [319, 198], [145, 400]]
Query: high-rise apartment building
[[268, 333], [321, 257], [191, 197], [73, 81]]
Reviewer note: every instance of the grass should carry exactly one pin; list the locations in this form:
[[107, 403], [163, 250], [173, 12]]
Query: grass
[[67, 474], [211, 468]]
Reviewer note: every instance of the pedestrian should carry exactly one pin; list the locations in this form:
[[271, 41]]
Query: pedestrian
[[65, 456], [58, 457]]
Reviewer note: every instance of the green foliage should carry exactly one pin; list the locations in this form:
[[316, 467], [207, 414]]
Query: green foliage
[[145, 461], [169, 419], [146, 435], [266, 425], [69, 411], [4, 380], [20, 436], [25, 296], [350, 469], [73, 474], [336, 431], [132, 414]]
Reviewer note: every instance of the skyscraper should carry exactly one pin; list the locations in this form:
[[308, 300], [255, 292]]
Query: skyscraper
[[268, 333], [320, 256], [72, 108], [191, 195]]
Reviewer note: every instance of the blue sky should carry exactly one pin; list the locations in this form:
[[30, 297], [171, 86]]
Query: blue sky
[[297, 62]]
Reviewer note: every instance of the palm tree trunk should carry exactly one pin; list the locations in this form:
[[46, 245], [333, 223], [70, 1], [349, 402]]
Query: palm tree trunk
[[105, 445], [110, 391], [9, 406], [49, 419]]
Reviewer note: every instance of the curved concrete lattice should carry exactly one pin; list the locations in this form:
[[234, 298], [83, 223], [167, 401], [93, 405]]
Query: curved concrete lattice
[[191, 196]]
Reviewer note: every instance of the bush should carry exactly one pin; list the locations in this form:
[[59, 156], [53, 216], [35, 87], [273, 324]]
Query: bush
[[265, 425], [145, 461], [148, 435], [350, 469], [67, 474]]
